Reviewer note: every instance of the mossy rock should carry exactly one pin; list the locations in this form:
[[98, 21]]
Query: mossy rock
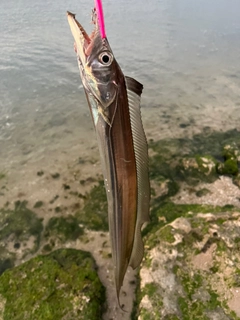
[[60, 286], [231, 151], [152, 292], [197, 301], [63, 228], [181, 167], [165, 234], [20, 223], [194, 276], [229, 167], [194, 169], [94, 214], [164, 212], [194, 160]]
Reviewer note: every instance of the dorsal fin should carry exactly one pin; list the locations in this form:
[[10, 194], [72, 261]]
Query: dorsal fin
[[134, 91]]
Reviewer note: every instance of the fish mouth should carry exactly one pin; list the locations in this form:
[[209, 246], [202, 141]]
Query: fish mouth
[[83, 41]]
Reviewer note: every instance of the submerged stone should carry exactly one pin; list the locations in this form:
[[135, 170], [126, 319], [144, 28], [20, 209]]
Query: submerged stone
[[20, 225], [232, 151], [201, 158], [196, 169], [63, 228], [38, 204], [229, 167], [94, 214], [202, 192], [60, 286]]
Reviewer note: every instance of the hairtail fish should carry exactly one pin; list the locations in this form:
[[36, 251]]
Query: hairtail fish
[[114, 102]]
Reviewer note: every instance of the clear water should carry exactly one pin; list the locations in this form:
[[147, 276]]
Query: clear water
[[185, 52]]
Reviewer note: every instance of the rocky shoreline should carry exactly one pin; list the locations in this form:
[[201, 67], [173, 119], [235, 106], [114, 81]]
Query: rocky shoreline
[[191, 268]]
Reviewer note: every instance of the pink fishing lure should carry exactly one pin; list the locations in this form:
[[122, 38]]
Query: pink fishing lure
[[99, 9]]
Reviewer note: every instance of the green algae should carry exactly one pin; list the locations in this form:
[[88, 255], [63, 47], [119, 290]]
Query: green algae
[[151, 290], [229, 167], [63, 228], [196, 168], [38, 204], [196, 308], [57, 209], [40, 173], [167, 211], [201, 158], [54, 199], [2, 175], [202, 192], [94, 214], [77, 194], [166, 234], [170, 317], [231, 151], [66, 186], [62, 285], [236, 279], [47, 248], [55, 175], [190, 284], [20, 223]]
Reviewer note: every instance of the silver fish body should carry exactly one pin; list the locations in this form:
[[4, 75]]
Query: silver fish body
[[114, 102]]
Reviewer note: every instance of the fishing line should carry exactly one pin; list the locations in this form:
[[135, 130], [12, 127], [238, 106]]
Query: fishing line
[[99, 9]]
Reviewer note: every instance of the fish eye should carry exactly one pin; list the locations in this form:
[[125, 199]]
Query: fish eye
[[106, 58]]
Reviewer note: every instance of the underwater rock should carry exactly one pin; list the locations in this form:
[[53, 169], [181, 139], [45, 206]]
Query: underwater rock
[[60, 286], [231, 155], [62, 229], [200, 159], [229, 167], [231, 151], [196, 169], [202, 192], [19, 225], [94, 213]]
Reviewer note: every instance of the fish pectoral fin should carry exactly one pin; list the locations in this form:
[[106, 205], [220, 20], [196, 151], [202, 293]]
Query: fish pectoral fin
[[134, 90], [104, 114], [108, 112]]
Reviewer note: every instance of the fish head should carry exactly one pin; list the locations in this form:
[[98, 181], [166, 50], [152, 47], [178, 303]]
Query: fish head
[[98, 67]]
